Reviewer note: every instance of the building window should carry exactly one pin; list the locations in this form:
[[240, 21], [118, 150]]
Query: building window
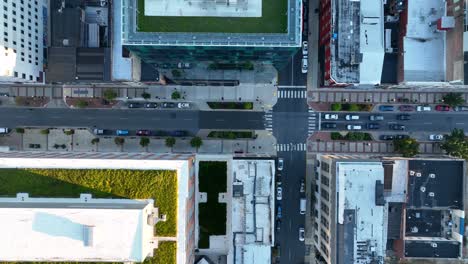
[[324, 222], [24, 75], [16, 74], [325, 166], [324, 235], [14, 28], [324, 208], [324, 194], [324, 180]]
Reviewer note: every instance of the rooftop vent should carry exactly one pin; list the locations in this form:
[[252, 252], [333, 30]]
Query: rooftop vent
[[411, 173], [422, 189], [418, 174], [431, 194], [414, 229], [434, 245], [432, 175]]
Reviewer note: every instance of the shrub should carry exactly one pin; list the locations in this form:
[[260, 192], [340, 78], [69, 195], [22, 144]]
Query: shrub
[[335, 107], [94, 141], [81, 104], [175, 95], [45, 131], [19, 130], [69, 132], [248, 105], [146, 95], [109, 94], [176, 73], [336, 136]]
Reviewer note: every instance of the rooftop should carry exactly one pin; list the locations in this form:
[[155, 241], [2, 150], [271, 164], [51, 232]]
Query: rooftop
[[432, 249], [203, 8], [70, 229], [423, 223], [435, 183]]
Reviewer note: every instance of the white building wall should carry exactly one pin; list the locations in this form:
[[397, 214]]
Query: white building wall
[[21, 39]]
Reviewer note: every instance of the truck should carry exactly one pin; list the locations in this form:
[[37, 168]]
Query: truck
[[302, 205]]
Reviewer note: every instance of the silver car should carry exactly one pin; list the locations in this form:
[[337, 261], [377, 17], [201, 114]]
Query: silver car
[[183, 105]]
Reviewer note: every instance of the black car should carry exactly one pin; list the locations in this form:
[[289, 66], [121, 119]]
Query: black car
[[135, 105], [168, 105], [403, 117], [401, 136], [329, 125], [387, 137], [179, 133], [151, 105], [397, 127], [373, 126]]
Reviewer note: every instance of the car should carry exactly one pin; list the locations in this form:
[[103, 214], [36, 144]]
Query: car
[[183, 105], [151, 105], [121, 132], [352, 117], [97, 131], [406, 108], [376, 118], [278, 224], [403, 117], [442, 108], [305, 48], [436, 137], [397, 127], [331, 116], [184, 65], [168, 105], [461, 108], [4, 130], [5, 94], [401, 136], [373, 126], [134, 105], [301, 234], [386, 108], [328, 125], [302, 188], [305, 65], [143, 132], [178, 133], [280, 164], [423, 108], [354, 127], [387, 137], [279, 193], [278, 212]]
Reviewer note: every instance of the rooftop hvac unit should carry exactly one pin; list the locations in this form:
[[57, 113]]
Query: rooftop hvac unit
[[431, 175], [418, 174], [414, 229], [434, 245], [431, 194], [411, 173], [422, 189]]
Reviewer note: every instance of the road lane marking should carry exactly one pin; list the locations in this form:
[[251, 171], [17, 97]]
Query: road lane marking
[[427, 123], [459, 123], [219, 120]]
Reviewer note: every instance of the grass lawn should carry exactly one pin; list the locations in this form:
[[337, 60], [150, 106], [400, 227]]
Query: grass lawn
[[273, 20], [212, 177], [230, 134], [134, 184]]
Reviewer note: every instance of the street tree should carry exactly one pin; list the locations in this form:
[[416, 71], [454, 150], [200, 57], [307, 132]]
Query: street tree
[[170, 142], [109, 94], [146, 95], [94, 141], [144, 142], [19, 130], [453, 99], [119, 141], [175, 95], [456, 144], [407, 147], [196, 142]]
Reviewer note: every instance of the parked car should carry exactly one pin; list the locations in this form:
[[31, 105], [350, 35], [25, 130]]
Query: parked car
[[279, 193], [143, 133], [401, 136], [386, 108], [168, 105], [151, 105], [423, 108], [331, 116], [301, 234], [280, 164], [442, 108], [4, 130], [387, 137], [184, 65], [461, 108], [97, 131], [134, 105], [278, 212], [278, 224], [403, 117], [305, 48], [397, 127], [436, 137], [35, 146], [328, 125], [178, 133], [373, 126], [352, 117], [305, 65], [183, 105], [406, 108], [354, 127], [121, 132], [302, 188], [376, 117]]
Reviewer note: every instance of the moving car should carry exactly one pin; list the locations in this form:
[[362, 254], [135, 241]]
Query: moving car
[[4, 130], [278, 212], [183, 105], [354, 127], [280, 164], [436, 137], [184, 65], [151, 105], [331, 116], [422, 108], [397, 127], [373, 126], [302, 189], [168, 105], [279, 193], [376, 118], [97, 131], [301, 234], [461, 108], [143, 132], [134, 105], [328, 125], [387, 137], [352, 117], [401, 136], [121, 132], [403, 117], [406, 108], [386, 108], [302, 205], [305, 65], [305, 48], [442, 108]]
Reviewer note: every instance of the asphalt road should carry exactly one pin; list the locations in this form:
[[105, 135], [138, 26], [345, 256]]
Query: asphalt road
[[437, 122], [291, 75], [131, 119]]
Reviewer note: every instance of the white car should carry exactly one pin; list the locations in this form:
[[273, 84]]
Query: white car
[[301, 234], [352, 117], [421, 108], [305, 65], [280, 164], [331, 116], [183, 105], [279, 193], [305, 48], [354, 127], [436, 137]]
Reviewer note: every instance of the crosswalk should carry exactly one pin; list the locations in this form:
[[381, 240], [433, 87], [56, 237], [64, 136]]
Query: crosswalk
[[289, 93], [291, 147], [311, 121], [269, 120]]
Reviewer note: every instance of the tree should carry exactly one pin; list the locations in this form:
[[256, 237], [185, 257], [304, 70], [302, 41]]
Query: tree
[[144, 141], [335, 107], [176, 73], [146, 95], [170, 142], [45, 131], [196, 142], [119, 141], [456, 144], [453, 99], [81, 104], [94, 141], [175, 95], [19, 130], [69, 132], [407, 147], [109, 94]]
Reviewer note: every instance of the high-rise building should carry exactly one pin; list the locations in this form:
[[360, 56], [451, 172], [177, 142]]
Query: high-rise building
[[22, 41], [218, 31]]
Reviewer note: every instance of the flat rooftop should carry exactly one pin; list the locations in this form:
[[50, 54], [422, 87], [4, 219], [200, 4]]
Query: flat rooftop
[[111, 230], [364, 221], [204, 8], [423, 223], [435, 183], [278, 26], [432, 249]]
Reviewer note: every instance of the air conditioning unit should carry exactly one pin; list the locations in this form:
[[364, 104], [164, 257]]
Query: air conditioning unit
[[431, 194], [434, 245], [418, 174], [432, 175], [411, 173], [422, 189]]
